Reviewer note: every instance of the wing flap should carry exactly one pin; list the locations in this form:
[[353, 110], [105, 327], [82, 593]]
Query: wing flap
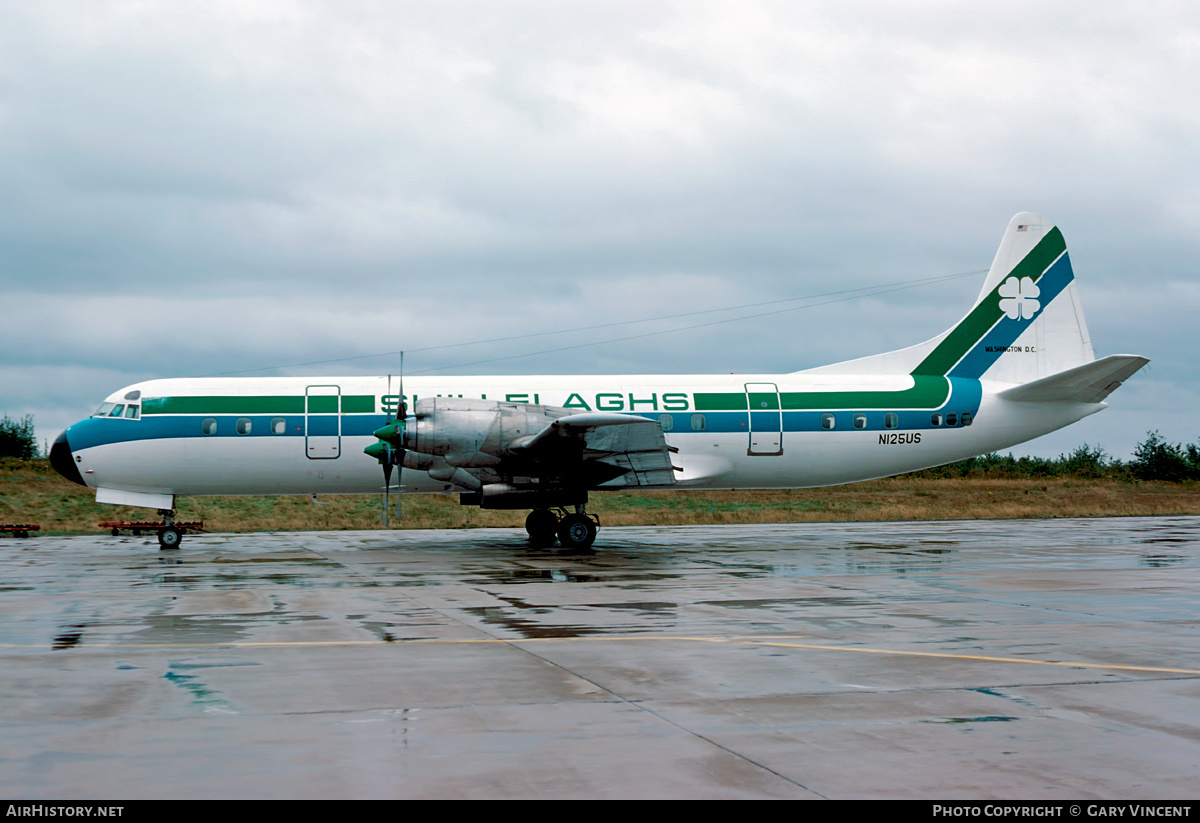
[[638, 448], [635, 446]]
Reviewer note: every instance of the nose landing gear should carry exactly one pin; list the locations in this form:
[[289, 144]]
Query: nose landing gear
[[170, 535]]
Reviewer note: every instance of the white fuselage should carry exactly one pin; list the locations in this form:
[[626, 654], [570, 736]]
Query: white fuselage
[[306, 435]]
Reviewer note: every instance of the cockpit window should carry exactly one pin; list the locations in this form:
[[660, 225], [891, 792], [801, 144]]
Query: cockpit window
[[128, 411]]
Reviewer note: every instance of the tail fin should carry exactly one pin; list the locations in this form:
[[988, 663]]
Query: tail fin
[[1026, 324]]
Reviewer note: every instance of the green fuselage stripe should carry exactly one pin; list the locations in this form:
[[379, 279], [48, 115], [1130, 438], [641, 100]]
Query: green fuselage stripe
[[719, 401], [244, 404], [976, 324], [927, 392], [358, 403]]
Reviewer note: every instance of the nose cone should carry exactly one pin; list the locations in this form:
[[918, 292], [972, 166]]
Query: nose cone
[[62, 460]]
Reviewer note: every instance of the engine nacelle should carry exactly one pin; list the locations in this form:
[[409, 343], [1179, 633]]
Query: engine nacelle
[[470, 433]]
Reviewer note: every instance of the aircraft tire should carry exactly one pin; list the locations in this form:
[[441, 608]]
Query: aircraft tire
[[170, 538], [577, 531], [542, 525]]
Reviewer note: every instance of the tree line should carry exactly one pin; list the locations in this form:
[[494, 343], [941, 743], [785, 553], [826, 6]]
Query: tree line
[[1153, 459]]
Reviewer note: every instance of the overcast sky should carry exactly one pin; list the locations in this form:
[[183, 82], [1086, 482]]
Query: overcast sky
[[196, 188]]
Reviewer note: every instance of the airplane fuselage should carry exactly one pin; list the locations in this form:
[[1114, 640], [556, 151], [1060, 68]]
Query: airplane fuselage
[[306, 435]]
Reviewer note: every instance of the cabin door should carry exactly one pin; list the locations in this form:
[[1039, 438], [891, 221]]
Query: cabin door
[[766, 419], [323, 422]]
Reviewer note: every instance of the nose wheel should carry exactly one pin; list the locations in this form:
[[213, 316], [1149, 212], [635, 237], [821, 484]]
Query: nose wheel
[[170, 536]]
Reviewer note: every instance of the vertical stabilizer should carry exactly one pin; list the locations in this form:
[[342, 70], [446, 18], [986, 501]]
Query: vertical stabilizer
[[1027, 322]]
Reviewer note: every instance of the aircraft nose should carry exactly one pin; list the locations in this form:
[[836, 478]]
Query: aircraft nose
[[62, 460]]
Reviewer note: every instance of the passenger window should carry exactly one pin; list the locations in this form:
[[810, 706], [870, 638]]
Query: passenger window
[[935, 420], [278, 425], [208, 425], [891, 420], [860, 421], [243, 425], [666, 421], [698, 422], [131, 412], [828, 421], [952, 420], [966, 418], [117, 411]]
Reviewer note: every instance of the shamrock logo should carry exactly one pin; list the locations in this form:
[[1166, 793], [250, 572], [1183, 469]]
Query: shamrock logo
[[1021, 302]]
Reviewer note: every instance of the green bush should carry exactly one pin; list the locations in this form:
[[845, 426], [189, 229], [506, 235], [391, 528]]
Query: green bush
[[1156, 459], [16, 438], [1086, 461]]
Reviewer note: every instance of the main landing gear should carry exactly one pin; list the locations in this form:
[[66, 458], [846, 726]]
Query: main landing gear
[[574, 531]]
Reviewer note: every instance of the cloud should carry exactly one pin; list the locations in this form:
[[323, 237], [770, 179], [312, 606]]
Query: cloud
[[208, 187]]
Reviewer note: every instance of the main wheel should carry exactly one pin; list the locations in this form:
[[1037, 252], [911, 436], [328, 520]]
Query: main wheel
[[577, 531], [542, 525], [169, 537]]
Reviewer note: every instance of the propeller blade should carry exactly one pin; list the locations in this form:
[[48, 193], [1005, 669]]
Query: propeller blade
[[387, 483], [399, 457]]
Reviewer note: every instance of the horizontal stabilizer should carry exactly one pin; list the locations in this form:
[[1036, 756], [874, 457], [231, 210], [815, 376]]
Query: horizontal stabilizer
[[1089, 383]]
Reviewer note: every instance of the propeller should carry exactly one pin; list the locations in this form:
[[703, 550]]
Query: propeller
[[389, 449], [398, 452]]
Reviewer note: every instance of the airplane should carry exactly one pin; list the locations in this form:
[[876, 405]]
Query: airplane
[[1020, 364]]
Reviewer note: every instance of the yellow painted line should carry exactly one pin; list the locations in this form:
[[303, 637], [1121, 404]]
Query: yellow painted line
[[987, 658], [780, 641]]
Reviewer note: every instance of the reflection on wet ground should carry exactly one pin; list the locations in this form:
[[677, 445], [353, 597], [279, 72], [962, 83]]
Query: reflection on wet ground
[[958, 659]]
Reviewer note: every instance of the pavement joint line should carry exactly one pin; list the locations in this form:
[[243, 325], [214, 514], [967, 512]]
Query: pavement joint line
[[780, 641]]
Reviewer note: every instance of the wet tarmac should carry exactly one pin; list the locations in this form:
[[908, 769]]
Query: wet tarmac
[[993, 659]]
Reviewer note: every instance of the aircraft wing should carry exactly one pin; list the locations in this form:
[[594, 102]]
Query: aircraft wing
[[631, 448]]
